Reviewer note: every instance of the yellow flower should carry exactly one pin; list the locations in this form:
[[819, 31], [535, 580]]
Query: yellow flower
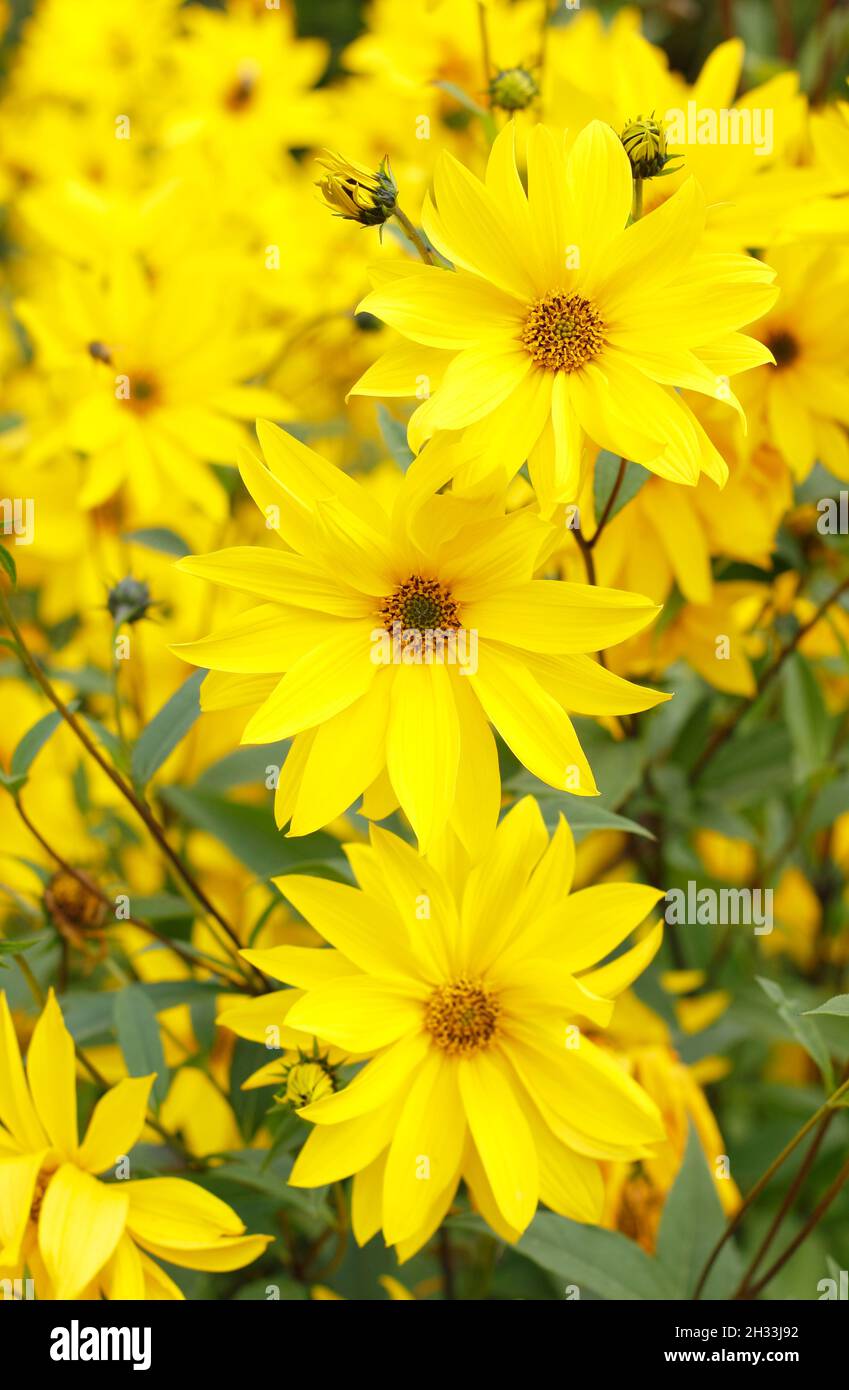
[[468, 986], [801, 403], [634, 1198], [354, 192], [403, 636], [797, 911], [79, 1236], [562, 323], [148, 378], [728, 859], [750, 175]]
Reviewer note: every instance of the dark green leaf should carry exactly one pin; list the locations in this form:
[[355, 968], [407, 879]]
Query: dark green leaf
[[138, 1038], [249, 832], [684, 1243], [838, 1007], [166, 729], [804, 1032], [394, 437], [34, 740], [604, 481], [605, 1262], [8, 564], [160, 538], [805, 714]]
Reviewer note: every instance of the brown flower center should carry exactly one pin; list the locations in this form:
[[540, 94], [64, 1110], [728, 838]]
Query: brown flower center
[[784, 348], [74, 902], [462, 1017], [420, 605], [563, 331]]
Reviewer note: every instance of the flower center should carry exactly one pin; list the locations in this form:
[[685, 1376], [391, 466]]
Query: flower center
[[420, 605], [144, 392], [784, 348], [462, 1017], [74, 901], [563, 331]]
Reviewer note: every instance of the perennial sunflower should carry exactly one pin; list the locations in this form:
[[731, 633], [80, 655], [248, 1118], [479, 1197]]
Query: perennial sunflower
[[402, 638], [77, 1236], [562, 322], [801, 404], [467, 984]]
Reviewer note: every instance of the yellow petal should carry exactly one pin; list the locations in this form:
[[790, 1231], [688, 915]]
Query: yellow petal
[[502, 1138], [116, 1124], [79, 1226], [423, 746], [424, 1157], [51, 1072], [17, 1111]]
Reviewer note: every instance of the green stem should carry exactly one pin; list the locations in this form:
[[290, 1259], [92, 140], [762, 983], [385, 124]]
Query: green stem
[[827, 1105], [411, 231]]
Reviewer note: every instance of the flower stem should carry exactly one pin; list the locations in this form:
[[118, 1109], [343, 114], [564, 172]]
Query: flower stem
[[141, 809], [827, 1106], [415, 236], [91, 887], [724, 732]]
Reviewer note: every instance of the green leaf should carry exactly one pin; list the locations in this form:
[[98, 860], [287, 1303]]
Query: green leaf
[[583, 813], [604, 481], [8, 564], [805, 714], [605, 1262], [838, 1007], [830, 803], [249, 832], [138, 1038], [161, 907], [248, 1106], [691, 1224], [751, 765], [166, 729], [805, 1033], [244, 766], [19, 945], [394, 437], [34, 740], [159, 538]]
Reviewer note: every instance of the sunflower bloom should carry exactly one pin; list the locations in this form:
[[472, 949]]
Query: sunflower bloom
[[385, 645], [562, 323], [468, 987], [78, 1236], [801, 403]]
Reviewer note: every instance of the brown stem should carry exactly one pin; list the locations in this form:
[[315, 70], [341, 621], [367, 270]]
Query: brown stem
[[142, 811], [92, 887], [764, 1179], [816, 1215], [608, 506], [789, 1198], [724, 732]]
